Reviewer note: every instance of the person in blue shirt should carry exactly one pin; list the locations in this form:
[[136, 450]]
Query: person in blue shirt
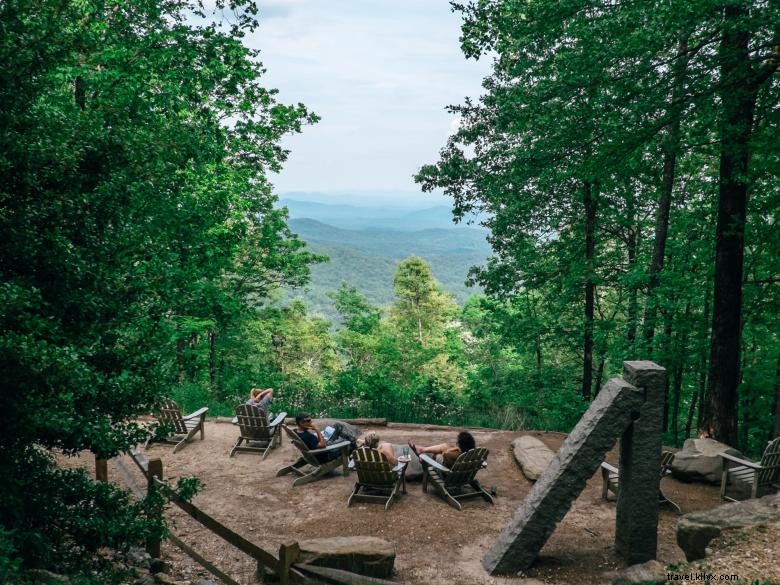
[[314, 439]]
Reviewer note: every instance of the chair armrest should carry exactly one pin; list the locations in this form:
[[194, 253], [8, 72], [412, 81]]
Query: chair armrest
[[744, 462], [608, 467], [279, 418], [334, 447], [199, 412], [400, 465], [433, 463]]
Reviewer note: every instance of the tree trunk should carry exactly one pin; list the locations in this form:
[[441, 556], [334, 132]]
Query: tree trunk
[[695, 397], [776, 430], [738, 97], [670, 147], [703, 365], [680, 351], [180, 344], [670, 360], [590, 288], [212, 337]]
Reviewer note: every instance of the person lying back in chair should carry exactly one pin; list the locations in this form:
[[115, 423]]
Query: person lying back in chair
[[260, 398], [449, 452], [315, 439], [371, 440]]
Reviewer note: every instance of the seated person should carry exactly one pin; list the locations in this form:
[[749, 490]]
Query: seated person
[[449, 453], [260, 398], [311, 435], [371, 440]]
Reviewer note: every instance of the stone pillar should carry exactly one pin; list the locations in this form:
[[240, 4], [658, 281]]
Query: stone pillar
[[577, 460], [636, 530]]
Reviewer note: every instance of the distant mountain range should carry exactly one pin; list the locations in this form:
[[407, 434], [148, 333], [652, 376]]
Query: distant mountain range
[[366, 242], [391, 217]]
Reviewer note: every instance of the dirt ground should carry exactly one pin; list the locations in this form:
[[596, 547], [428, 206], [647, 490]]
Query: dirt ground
[[435, 544]]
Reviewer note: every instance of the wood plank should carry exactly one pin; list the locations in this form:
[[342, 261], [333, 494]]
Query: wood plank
[[214, 570]]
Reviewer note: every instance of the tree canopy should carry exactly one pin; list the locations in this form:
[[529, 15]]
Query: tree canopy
[[135, 208]]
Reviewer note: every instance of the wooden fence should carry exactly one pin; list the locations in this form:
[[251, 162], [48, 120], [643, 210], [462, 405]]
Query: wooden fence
[[284, 565]]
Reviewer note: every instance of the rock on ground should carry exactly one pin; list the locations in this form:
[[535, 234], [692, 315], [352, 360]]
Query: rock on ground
[[532, 455], [699, 460], [366, 555], [649, 572], [696, 530]]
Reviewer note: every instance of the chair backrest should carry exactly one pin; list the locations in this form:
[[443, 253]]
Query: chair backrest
[[667, 458], [373, 469], [296, 440], [170, 415], [253, 422], [770, 459], [466, 467]]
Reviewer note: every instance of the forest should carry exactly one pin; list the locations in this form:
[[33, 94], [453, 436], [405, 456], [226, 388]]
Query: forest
[[623, 158]]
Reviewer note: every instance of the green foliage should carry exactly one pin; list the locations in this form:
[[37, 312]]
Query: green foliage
[[139, 228], [594, 112]]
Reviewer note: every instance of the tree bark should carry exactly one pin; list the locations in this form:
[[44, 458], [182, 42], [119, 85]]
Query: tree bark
[[776, 429], [212, 337], [738, 93], [590, 288]]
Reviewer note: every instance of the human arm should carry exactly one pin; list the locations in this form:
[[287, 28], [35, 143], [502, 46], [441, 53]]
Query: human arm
[[321, 441]]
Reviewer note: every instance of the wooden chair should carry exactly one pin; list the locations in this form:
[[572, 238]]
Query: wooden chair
[[377, 478], [259, 435], [749, 477], [309, 457], [184, 427], [610, 478], [458, 482]]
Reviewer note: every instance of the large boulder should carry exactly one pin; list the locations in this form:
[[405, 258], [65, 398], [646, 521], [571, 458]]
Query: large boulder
[[532, 455], [366, 555], [699, 460], [697, 529]]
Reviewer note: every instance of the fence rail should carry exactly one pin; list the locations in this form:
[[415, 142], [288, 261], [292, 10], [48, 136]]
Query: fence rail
[[285, 566]]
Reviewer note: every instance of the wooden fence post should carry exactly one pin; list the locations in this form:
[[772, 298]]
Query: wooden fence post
[[288, 554], [155, 470], [101, 469]]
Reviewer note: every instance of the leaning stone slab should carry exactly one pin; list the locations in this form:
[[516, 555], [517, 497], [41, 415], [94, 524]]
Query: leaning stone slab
[[697, 529], [577, 460], [366, 555], [532, 455], [699, 460]]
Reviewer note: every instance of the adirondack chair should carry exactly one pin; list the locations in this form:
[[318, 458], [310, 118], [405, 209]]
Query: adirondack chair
[[259, 435], [757, 478], [378, 480], [610, 478], [309, 457], [458, 482], [184, 427]]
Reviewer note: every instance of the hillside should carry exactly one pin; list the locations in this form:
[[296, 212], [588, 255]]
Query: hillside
[[367, 258]]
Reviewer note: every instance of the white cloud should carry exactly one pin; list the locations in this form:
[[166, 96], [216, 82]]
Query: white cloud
[[379, 72]]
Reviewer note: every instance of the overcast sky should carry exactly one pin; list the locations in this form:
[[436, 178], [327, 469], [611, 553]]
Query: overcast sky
[[379, 73]]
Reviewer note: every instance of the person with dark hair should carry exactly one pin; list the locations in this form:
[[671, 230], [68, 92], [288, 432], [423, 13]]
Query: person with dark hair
[[315, 439], [449, 453]]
